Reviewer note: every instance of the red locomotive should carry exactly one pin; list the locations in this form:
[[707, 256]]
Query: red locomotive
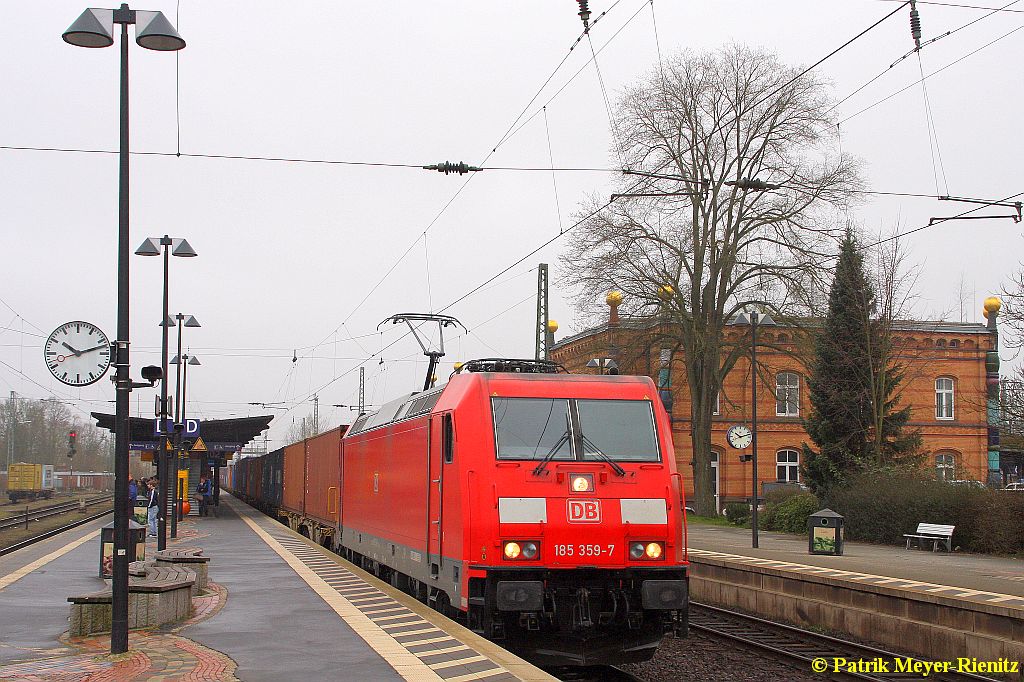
[[542, 509]]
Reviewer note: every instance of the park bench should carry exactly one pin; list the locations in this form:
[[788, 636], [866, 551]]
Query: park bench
[[934, 533], [157, 594]]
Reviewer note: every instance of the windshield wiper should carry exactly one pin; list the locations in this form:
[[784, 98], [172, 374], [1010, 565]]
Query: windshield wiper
[[563, 439], [619, 471]]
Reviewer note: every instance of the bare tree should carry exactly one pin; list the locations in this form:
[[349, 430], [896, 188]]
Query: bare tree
[[698, 129]]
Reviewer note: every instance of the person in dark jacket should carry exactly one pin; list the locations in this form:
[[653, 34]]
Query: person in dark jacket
[[153, 506], [205, 493]]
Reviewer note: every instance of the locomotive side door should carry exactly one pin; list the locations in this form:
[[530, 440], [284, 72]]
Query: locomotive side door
[[439, 444]]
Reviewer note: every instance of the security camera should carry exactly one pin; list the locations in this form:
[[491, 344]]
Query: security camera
[[152, 374]]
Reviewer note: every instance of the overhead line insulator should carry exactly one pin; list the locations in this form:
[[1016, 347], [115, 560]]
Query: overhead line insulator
[[585, 14], [448, 167], [915, 25]]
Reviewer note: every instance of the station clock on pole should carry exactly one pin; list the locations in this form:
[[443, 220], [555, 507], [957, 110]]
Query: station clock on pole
[[77, 353], [739, 436]]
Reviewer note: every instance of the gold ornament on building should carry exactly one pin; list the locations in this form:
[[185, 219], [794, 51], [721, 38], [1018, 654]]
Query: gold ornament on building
[[992, 304], [613, 298], [552, 326]]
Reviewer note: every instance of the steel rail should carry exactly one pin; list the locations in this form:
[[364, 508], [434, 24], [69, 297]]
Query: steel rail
[[50, 533], [803, 645], [592, 673], [51, 510]]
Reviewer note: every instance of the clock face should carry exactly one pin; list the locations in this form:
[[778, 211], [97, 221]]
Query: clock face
[[77, 353], [739, 436]]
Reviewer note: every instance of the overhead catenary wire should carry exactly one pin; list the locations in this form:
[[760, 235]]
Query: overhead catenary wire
[[944, 35], [933, 73]]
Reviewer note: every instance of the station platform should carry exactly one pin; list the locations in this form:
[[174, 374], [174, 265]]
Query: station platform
[[978, 578], [279, 607]]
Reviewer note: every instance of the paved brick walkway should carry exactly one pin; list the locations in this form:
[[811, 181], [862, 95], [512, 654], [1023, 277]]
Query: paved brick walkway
[[155, 655]]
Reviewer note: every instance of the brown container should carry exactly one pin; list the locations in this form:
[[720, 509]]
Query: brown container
[[323, 466], [294, 493]]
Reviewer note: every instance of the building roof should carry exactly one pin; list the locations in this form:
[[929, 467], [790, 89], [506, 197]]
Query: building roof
[[929, 326]]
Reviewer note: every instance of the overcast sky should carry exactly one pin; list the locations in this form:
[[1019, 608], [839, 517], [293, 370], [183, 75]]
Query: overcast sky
[[289, 251]]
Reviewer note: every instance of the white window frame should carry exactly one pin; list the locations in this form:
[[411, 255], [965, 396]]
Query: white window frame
[[945, 399], [946, 470], [784, 398], [718, 403], [789, 465]]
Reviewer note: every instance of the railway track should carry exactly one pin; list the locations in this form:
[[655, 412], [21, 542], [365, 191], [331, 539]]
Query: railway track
[[51, 510], [7, 549], [785, 641], [593, 673]]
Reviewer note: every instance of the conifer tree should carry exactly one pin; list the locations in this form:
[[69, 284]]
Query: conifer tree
[[854, 420]]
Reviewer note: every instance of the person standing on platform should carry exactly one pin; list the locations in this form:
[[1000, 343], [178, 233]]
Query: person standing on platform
[[133, 490], [205, 493], [153, 506]]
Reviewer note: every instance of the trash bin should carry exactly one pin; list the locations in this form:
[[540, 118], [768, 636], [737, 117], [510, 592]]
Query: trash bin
[[136, 546], [825, 533]]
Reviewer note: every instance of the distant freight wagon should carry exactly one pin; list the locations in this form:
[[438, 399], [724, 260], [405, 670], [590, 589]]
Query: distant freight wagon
[[29, 481]]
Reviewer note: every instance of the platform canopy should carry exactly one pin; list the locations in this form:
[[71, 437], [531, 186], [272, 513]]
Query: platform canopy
[[240, 430]]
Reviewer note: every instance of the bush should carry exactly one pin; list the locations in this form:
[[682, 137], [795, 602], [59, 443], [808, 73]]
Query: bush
[[790, 515], [882, 506], [772, 500], [738, 513]]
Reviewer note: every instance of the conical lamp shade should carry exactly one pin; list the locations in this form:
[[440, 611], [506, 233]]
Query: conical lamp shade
[[94, 28], [148, 248], [184, 249], [154, 32]]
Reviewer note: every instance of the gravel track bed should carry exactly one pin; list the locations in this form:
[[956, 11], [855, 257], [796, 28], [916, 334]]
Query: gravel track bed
[[701, 657]]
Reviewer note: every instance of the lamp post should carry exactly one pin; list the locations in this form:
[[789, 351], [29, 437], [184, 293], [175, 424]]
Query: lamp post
[[182, 361], [183, 321], [755, 320], [95, 28], [181, 248]]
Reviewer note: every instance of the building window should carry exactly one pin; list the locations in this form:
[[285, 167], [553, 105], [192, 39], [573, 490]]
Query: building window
[[787, 394], [718, 402], [941, 343], [944, 398], [788, 466], [945, 466], [954, 343]]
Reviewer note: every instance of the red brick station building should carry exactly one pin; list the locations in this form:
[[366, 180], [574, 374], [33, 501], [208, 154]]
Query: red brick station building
[[945, 384]]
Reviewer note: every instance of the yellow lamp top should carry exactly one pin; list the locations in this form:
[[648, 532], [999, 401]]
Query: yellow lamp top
[[458, 366], [993, 304], [552, 326], [613, 298], [665, 292]]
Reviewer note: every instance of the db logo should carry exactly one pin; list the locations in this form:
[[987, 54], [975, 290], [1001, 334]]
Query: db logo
[[584, 511]]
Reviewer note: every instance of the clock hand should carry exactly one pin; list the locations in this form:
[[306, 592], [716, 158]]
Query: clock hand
[[76, 352], [88, 350]]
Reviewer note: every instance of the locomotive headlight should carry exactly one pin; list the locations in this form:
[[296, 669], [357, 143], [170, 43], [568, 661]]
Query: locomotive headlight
[[582, 483], [521, 551], [646, 551]]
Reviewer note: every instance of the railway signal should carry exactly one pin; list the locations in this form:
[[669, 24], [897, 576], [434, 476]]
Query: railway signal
[[72, 436]]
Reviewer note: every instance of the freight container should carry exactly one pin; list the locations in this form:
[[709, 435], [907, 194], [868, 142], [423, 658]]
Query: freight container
[[323, 474], [30, 481], [293, 496]]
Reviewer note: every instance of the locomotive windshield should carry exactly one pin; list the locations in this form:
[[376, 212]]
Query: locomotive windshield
[[542, 428], [621, 429], [531, 428]]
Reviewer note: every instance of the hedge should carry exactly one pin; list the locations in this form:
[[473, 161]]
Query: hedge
[[881, 506]]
